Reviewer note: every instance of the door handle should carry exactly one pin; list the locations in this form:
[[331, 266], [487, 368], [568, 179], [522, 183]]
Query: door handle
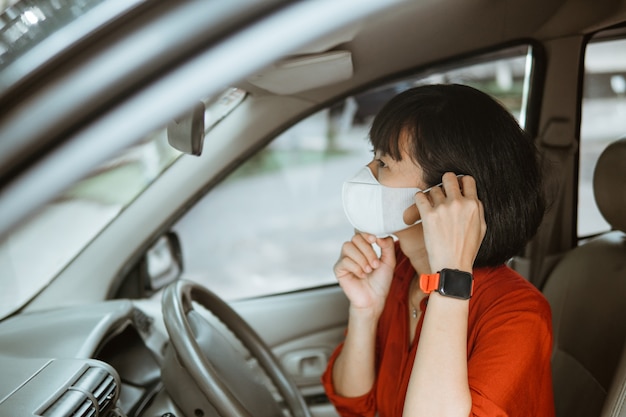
[[307, 363]]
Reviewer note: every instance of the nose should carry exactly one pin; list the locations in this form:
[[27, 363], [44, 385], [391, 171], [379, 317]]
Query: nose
[[373, 166]]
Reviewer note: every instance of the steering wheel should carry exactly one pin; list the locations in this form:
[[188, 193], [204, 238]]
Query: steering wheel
[[226, 393]]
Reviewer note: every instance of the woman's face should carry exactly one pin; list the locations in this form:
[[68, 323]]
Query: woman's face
[[392, 173], [399, 173]]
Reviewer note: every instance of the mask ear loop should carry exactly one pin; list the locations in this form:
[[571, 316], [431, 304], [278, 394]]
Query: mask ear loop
[[428, 190], [441, 184]]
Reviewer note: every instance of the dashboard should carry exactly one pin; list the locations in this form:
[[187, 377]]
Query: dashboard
[[96, 360]]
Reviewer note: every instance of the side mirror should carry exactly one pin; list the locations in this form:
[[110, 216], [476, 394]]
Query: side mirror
[[186, 133], [163, 262], [161, 265]]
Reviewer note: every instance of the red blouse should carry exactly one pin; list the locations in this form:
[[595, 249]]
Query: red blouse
[[509, 347]]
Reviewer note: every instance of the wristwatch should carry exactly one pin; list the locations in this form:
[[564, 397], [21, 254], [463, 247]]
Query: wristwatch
[[449, 282]]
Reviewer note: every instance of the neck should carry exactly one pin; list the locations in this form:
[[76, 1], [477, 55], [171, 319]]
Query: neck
[[416, 252]]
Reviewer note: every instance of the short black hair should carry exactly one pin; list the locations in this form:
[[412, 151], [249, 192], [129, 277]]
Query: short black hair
[[458, 128]]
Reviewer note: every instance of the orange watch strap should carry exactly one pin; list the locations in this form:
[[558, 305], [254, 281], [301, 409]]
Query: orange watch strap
[[429, 282]]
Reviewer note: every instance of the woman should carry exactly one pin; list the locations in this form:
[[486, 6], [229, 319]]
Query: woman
[[438, 325]]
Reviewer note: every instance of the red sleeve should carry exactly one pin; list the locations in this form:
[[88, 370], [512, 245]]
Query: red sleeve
[[509, 371], [363, 406]]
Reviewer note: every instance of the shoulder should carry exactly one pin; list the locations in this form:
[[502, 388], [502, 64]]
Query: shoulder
[[509, 314], [499, 290]]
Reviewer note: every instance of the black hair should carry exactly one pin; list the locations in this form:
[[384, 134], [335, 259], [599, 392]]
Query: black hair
[[457, 128]]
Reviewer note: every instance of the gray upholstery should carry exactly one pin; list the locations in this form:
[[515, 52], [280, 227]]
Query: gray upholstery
[[587, 292], [615, 404]]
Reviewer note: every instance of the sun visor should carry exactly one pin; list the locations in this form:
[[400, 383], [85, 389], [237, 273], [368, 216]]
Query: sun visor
[[306, 72]]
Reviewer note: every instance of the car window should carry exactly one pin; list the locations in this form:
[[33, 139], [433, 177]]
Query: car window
[[276, 224], [65, 226], [603, 121]]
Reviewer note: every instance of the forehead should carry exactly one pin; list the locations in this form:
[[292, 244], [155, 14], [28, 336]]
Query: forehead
[[398, 146], [405, 161]]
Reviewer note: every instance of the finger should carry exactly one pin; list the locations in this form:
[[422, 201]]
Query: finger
[[436, 194], [411, 215], [367, 236], [387, 251], [423, 203], [346, 267], [450, 185], [350, 251], [363, 251], [469, 186]]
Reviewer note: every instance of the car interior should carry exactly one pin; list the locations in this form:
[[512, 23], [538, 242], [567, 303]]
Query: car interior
[[589, 341], [169, 223]]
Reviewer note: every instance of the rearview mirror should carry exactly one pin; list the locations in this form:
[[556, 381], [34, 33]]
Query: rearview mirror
[[186, 133]]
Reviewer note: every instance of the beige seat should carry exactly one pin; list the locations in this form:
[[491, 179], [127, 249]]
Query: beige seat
[[615, 404], [587, 292]]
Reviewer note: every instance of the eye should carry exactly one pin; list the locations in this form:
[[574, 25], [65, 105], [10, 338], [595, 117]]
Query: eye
[[381, 163]]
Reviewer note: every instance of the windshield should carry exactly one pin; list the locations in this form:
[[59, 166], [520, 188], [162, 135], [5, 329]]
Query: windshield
[[37, 251]]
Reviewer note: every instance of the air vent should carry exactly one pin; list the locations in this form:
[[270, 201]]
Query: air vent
[[90, 396]]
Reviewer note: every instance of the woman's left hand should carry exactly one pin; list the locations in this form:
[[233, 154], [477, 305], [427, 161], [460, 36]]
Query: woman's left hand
[[453, 221]]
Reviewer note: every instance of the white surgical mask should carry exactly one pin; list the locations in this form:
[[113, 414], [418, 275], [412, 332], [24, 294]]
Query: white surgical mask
[[375, 208]]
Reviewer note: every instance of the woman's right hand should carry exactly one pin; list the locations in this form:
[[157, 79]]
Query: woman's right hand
[[364, 277]]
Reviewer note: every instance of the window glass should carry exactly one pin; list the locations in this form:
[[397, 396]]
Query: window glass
[[64, 227], [603, 121], [276, 224]]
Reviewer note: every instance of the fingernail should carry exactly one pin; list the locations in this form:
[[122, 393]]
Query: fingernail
[[376, 264]]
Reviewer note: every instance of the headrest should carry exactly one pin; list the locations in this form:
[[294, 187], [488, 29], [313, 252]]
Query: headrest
[[609, 184]]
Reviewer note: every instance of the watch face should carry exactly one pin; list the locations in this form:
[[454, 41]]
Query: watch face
[[457, 284]]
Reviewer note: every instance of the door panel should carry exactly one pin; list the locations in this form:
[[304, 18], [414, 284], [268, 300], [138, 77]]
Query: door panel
[[302, 328]]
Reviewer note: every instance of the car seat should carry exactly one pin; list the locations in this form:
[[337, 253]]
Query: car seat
[[615, 404], [587, 293]]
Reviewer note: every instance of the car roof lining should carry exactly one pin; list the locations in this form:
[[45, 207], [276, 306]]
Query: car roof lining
[[423, 20]]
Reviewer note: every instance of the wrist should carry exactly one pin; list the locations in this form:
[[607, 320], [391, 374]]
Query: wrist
[[452, 283], [447, 307], [364, 315], [460, 266]]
